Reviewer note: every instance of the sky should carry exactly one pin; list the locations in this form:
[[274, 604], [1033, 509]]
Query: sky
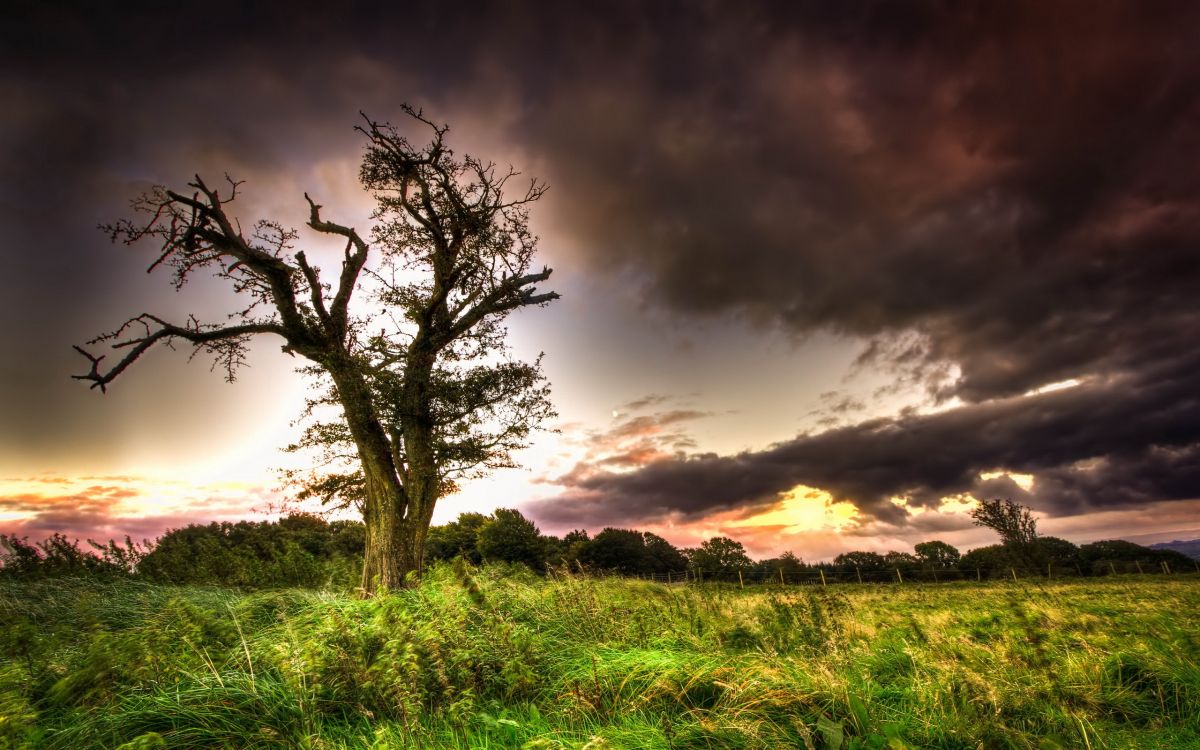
[[830, 272]]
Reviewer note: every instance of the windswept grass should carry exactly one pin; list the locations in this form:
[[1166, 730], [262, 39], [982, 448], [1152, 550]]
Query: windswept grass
[[497, 658]]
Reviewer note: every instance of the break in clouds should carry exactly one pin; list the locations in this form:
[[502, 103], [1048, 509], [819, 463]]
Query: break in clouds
[[991, 197]]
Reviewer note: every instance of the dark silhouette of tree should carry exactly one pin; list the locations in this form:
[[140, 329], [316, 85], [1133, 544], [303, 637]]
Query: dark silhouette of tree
[[862, 560], [895, 559], [994, 558], [1016, 526], [59, 556], [937, 554], [1013, 522], [1105, 555], [575, 536], [788, 563], [1056, 552], [426, 391], [719, 556], [662, 556], [618, 550]]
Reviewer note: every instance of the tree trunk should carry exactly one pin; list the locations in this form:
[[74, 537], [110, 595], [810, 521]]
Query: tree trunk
[[393, 550], [394, 537]]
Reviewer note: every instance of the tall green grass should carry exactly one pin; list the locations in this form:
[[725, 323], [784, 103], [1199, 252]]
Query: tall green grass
[[498, 658]]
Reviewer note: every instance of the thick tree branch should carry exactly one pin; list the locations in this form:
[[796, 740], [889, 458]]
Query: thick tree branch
[[352, 263], [165, 332], [509, 294], [315, 291]]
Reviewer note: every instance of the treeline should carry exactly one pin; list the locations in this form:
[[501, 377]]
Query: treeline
[[297, 550], [1044, 556], [307, 550]]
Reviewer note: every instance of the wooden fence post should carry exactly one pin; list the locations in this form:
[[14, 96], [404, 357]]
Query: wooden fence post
[[741, 583], [978, 575], [781, 581], [1049, 573], [822, 576], [1138, 563], [1014, 572], [934, 571], [858, 572], [899, 578], [1112, 567], [1166, 568]]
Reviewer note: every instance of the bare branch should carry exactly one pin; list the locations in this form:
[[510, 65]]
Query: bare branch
[[508, 295], [230, 340]]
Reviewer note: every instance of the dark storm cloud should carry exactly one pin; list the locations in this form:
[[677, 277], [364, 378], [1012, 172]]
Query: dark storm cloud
[[1001, 181], [1106, 444], [1005, 190]]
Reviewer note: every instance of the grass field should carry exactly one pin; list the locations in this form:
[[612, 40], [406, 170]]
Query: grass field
[[496, 658]]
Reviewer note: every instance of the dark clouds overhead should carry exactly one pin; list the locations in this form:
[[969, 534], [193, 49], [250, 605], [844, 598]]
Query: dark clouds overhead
[[1003, 181], [998, 195]]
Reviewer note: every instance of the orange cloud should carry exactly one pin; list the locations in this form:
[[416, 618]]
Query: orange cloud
[[140, 507]]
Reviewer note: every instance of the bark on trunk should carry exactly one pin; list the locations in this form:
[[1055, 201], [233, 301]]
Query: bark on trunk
[[399, 499], [394, 538], [392, 552]]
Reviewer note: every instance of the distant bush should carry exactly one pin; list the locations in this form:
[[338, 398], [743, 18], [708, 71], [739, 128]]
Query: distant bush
[[510, 537], [59, 556], [298, 550], [1118, 554]]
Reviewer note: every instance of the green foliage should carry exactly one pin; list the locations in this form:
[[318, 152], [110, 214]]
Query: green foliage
[[937, 554], [993, 558], [1057, 553], [720, 557], [863, 560], [617, 550], [59, 556], [511, 537], [298, 550], [1117, 554], [496, 657], [455, 539]]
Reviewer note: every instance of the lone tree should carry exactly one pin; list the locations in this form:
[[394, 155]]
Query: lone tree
[[427, 391], [1016, 526], [938, 554], [1012, 521]]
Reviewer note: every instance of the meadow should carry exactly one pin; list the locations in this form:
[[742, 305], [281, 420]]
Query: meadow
[[496, 657]]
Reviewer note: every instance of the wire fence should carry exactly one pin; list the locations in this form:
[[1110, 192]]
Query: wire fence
[[826, 576]]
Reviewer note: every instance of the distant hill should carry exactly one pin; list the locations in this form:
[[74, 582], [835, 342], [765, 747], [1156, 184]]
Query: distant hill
[[1190, 548]]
